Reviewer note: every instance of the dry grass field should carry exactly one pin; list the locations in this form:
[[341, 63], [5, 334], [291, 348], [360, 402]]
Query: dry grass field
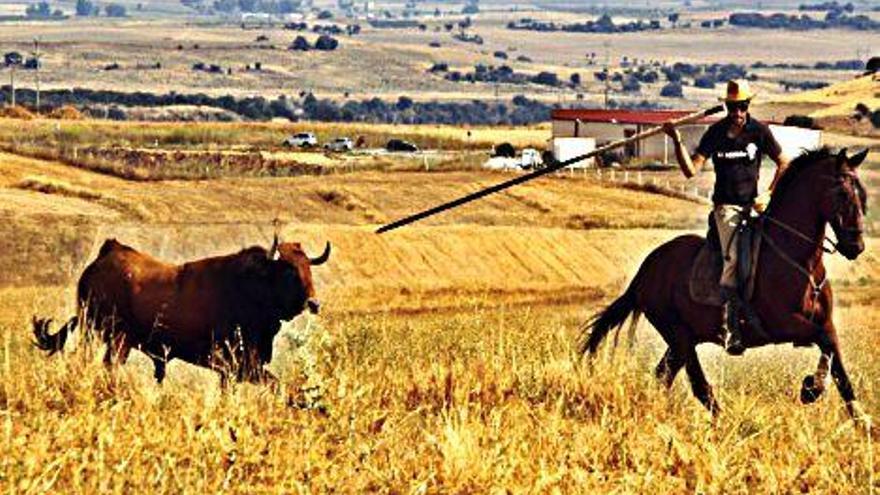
[[443, 356], [76, 52]]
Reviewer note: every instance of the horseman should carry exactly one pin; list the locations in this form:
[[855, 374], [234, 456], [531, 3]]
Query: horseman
[[736, 144]]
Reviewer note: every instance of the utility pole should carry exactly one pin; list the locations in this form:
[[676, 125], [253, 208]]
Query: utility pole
[[607, 45], [12, 82], [36, 54]]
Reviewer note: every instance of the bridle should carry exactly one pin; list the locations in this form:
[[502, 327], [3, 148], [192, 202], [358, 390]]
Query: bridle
[[815, 286]]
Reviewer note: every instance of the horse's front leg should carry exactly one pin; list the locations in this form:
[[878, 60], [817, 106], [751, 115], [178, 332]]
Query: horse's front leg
[[830, 345], [814, 385]]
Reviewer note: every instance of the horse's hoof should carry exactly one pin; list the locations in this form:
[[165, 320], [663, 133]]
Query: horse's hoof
[[810, 391]]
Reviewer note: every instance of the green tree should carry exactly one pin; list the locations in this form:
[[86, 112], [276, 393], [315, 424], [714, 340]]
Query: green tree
[[85, 8], [115, 10]]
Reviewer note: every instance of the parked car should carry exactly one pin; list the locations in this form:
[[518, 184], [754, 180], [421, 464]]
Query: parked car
[[301, 140], [400, 145], [339, 144], [531, 158]]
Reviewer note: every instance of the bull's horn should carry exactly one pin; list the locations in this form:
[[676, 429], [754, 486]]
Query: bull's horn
[[273, 251], [320, 260]]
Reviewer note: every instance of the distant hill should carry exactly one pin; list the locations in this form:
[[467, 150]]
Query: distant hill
[[834, 105]]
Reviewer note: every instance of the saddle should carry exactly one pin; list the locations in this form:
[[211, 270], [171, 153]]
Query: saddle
[[704, 285]]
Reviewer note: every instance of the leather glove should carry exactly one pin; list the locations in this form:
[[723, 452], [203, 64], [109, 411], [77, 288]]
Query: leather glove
[[762, 201]]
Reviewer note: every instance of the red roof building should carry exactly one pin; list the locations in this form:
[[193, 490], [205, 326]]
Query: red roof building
[[602, 126], [635, 117]]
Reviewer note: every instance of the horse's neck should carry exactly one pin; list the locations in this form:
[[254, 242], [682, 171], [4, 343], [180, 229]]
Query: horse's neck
[[798, 209]]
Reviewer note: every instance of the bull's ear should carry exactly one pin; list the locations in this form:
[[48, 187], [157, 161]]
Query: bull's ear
[[857, 159]]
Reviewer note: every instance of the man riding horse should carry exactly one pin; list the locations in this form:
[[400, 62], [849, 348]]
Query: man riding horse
[[736, 145]]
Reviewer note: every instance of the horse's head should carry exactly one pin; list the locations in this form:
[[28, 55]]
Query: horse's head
[[843, 204]]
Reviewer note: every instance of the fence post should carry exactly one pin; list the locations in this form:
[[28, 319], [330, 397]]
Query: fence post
[[626, 176], [639, 178]]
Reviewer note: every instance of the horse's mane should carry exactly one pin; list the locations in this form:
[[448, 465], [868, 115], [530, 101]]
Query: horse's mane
[[798, 165]]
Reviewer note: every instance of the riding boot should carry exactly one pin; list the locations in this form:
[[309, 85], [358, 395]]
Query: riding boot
[[731, 331]]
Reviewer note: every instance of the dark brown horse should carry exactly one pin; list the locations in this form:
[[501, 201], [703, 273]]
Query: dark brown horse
[[792, 297]]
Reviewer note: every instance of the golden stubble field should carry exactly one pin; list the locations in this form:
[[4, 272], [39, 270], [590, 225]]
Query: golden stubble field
[[77, 51], [443, 358]]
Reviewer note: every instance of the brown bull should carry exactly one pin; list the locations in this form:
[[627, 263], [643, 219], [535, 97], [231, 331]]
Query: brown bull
[[222, 313]]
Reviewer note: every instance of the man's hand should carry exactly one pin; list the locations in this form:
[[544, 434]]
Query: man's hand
[[762, 201], [671, 131]]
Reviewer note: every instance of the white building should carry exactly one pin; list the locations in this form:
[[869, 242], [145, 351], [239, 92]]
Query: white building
[[580, 129]]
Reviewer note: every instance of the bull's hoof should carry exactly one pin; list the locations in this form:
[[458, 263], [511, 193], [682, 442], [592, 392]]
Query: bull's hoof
[[810, 390]]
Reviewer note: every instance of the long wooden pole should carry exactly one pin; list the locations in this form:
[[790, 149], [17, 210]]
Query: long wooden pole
[[687, 119]]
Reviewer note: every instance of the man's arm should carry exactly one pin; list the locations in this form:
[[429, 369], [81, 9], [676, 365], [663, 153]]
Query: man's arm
[[781, 166], [689, 165]]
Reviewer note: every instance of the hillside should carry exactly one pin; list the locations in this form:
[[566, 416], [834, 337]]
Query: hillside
[[556, 239], [834, 105]]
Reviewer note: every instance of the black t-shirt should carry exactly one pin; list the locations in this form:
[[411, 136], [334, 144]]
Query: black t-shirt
[[737, 160]]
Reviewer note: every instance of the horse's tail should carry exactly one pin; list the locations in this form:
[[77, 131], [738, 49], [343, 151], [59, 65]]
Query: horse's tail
[[614, 316], [52, 343]]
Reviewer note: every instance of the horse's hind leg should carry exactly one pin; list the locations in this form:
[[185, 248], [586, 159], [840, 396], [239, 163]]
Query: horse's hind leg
[[676, 354], [159, 369], [700, 386]]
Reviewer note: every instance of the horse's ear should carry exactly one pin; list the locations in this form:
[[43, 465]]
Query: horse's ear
[[841, 156], [857, 159]]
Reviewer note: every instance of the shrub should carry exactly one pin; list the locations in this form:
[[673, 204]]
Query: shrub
[[506, 150], [706, 82], [404, 103], [115, 10], [300, 43], [631, 85], [804, 121], [546, 78], [326, 43], [86, 8], [672, 90]]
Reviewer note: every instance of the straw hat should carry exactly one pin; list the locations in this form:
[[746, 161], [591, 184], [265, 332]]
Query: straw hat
[[738, 90]]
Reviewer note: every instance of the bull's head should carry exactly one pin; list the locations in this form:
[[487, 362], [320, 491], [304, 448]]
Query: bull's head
[[299, 291]]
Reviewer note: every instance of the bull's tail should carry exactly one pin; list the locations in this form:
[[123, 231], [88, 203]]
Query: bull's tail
[[52, 343], [614, 316]]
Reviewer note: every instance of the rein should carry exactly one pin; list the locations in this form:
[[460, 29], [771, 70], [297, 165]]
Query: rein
[[801, 235], [815, 287]]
